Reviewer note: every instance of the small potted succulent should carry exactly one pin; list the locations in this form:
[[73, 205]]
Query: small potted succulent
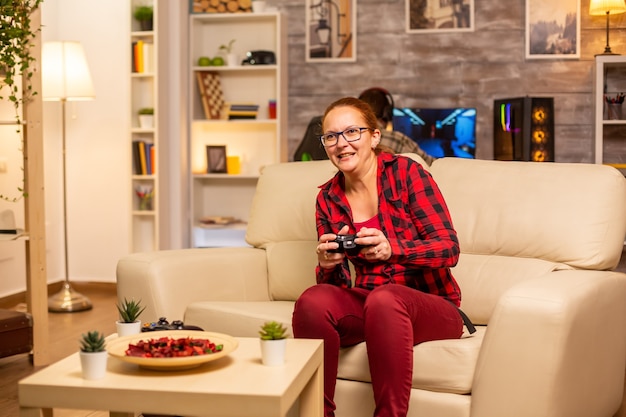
[[93, 355], [146, 117], [129, 322], [273, 343], [144, 15]]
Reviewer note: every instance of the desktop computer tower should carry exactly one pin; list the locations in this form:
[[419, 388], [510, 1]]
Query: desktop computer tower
[[523, 129]]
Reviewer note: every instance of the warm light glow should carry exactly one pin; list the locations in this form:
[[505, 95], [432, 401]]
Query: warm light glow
[[601, 7], [65, 73]]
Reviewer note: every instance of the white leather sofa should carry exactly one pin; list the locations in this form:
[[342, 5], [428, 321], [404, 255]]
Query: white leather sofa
[[537, 243]]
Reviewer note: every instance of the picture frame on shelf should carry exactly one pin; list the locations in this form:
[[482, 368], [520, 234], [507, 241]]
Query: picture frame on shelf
[[434, 16], [552, 29], [330, 31], [216, 159]]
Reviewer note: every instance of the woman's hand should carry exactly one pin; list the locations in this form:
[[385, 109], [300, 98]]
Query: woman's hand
[[377, 246], [327, 242]]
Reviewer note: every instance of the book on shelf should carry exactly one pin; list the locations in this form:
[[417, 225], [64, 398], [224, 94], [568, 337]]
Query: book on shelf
[[210, 88], [142, 57], [143, 158], [239, 111]]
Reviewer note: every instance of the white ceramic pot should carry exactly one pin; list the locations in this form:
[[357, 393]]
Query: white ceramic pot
[[258, 6], [232, 59], [93, 364], [273, 352], [146, 121], [127, 329]]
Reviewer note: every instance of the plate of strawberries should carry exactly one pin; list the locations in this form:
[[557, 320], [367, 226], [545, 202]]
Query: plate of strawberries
[[173, 349]]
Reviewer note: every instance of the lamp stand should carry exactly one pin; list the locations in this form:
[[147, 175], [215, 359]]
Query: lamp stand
[[67, 300], [607, 48]]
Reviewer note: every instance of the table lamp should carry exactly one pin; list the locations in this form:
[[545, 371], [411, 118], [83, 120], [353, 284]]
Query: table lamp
[[65, 77], [602, 7]]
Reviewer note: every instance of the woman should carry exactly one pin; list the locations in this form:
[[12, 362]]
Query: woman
[[404, 292]]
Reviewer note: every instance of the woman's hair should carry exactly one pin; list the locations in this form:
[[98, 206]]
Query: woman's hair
[[362, 107]]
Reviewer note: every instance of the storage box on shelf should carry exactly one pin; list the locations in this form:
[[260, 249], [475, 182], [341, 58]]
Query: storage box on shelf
[[144, 140], [610, 121], [254, 134]]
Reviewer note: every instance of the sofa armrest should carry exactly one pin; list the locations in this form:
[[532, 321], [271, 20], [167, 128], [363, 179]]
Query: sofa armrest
[[555, 346], [167, 281]]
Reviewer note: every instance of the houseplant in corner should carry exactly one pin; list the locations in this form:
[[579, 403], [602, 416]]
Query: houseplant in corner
[[129, 322], [273, 343], [17, 63], [93, 355]]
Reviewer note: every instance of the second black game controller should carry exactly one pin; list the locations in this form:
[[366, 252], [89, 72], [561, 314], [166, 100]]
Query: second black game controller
[[163, 324]]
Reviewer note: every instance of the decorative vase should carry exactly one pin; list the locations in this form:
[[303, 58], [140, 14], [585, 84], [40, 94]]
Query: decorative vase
[[127, 329], [273, 352], [93, 364]]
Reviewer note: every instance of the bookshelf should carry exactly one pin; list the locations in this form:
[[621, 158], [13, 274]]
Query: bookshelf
[[250, 143], [146, 143], [610, 130]]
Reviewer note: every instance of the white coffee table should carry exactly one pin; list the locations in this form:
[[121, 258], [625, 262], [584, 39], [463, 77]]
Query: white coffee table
[[236, 385]]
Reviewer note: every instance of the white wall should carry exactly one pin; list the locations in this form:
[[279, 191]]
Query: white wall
[[98, 155]]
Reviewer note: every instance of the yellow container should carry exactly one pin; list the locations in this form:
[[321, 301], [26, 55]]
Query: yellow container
[[233, 165]]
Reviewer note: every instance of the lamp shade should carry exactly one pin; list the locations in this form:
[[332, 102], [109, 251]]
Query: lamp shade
[[602, 7], [65, 73]]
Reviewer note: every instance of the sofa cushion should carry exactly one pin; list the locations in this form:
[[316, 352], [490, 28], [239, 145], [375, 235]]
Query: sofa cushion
[[442, 365], [291, 268], [491, 218], [484, 278], [238, 318]]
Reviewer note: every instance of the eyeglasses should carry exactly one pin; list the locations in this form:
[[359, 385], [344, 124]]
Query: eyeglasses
[[351, 134]]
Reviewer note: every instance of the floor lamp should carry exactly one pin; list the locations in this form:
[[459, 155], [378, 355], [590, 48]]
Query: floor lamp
[[606, 7], [65, 77]]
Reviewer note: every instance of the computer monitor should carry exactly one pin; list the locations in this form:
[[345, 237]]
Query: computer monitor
[[439, 132]]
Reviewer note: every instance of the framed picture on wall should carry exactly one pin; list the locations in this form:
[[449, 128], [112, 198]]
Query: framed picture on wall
[[330, 30], [427, 16], [552, 29], [216, 159]]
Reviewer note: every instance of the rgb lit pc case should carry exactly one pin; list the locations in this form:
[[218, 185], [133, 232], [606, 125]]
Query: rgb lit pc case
[[523, 129]]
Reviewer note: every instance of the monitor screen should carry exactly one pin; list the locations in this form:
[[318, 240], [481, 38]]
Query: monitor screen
[[439, 132]]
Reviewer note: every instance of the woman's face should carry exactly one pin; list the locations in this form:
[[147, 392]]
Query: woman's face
[[348, 157]]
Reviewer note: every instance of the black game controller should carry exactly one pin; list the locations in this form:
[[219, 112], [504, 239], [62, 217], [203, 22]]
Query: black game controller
[[163, 324], [346, 244]]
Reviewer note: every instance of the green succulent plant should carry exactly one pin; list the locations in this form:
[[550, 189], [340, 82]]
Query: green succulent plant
[[273, 330], [146, 110], [92, 342], [130, 310]]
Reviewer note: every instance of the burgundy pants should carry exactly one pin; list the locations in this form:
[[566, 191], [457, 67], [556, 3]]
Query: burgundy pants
[[391, 319]]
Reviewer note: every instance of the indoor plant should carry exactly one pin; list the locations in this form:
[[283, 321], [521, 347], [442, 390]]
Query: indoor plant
[[231, 57], [93, 355], [144, 15], [129, 322], [273, 343], [146, 117], [16, 60]]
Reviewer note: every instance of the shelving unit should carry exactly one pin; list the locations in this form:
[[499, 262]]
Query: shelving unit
[[610, 134], [257, 142], [146, 90]]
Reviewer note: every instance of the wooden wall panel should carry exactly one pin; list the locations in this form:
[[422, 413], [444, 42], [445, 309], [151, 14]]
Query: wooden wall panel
[[446, 69]]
